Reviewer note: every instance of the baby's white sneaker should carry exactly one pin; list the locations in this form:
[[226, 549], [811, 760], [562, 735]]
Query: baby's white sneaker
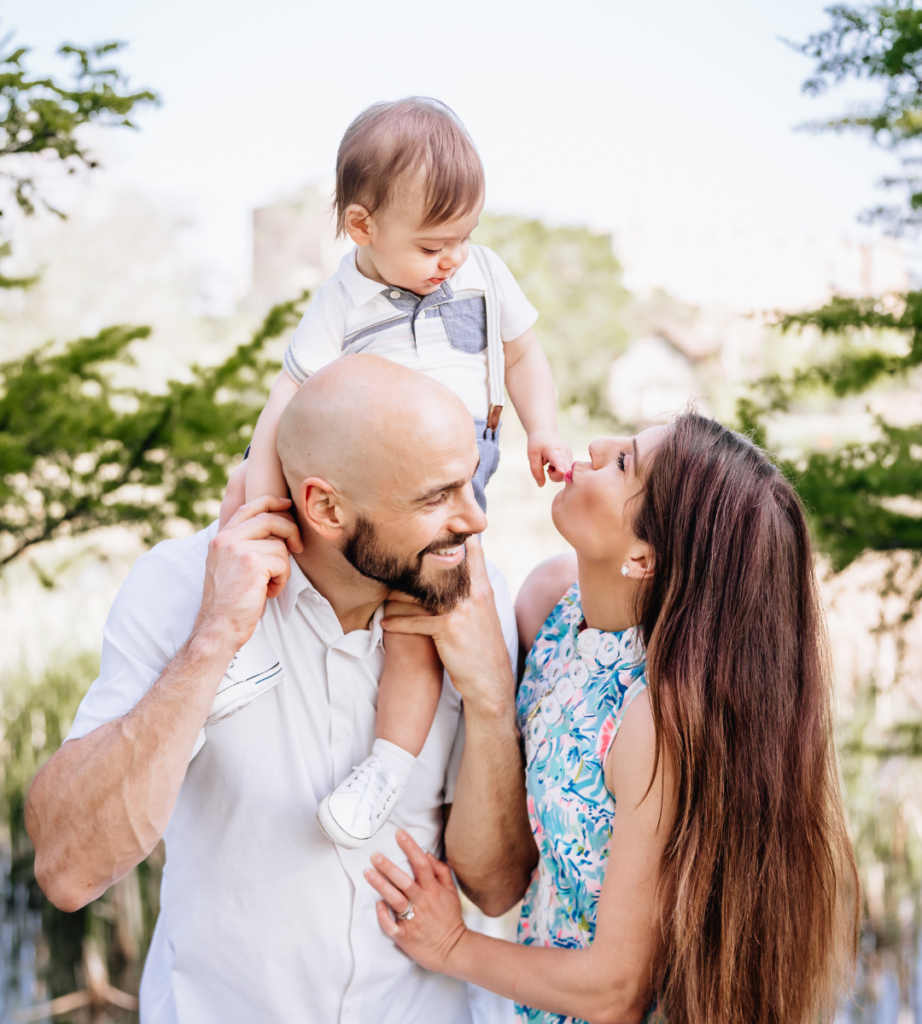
[[358, 807], [253, 672]]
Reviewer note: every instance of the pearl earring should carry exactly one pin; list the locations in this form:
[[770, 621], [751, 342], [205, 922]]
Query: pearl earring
[[624, 569]]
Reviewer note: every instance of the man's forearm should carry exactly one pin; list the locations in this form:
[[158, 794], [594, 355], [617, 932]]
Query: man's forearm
[[488, 840], [101, 803]]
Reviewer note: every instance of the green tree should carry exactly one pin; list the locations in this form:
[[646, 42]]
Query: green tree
[[863, 496], [41, 116], [573, 279], [78, 452]]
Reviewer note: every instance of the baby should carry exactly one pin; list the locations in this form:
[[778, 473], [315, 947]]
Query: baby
[[409, 193]]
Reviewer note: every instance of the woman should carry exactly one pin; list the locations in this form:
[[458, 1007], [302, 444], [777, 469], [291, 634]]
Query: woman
[[724, 887]]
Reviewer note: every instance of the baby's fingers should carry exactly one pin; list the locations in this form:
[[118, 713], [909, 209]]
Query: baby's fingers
[[536, 464]]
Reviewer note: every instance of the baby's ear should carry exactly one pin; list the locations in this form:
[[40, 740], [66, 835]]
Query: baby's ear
[[356, 223]]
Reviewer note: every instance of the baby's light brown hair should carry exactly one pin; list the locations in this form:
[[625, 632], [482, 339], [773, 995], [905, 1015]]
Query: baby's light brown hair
[[391, 143]]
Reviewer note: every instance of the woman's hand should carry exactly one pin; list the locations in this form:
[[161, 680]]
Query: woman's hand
[[435, 929]]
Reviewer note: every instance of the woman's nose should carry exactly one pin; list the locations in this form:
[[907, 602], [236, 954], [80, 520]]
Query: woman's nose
[[597, 450], [604, 449]]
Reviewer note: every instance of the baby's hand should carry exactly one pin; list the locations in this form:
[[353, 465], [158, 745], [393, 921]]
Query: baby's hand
[[548, 448]]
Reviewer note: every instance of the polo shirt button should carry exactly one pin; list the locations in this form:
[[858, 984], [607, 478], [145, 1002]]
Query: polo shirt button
[[395, 295]]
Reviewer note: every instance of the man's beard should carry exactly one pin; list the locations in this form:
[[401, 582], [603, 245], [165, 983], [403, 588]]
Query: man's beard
[[365, 552]]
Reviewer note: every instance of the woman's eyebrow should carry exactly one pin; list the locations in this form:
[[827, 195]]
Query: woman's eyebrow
[[636, 459]]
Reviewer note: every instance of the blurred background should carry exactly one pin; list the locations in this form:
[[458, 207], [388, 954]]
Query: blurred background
[[710, 203]]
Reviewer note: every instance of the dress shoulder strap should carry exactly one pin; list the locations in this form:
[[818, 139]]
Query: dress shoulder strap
[[610, 728]]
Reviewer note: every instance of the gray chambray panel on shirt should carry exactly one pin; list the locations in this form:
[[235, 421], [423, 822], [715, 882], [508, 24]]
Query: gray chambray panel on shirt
[[464, 319]]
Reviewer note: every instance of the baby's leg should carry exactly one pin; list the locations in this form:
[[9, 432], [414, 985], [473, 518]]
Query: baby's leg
[[409, 691], [408, 696], [235, 495]]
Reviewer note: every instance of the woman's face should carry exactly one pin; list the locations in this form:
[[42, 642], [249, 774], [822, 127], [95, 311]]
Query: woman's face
[[593, 511]]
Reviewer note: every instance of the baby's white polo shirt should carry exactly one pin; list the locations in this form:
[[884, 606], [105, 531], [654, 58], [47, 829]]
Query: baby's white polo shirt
[[442, 335], [262, 918]]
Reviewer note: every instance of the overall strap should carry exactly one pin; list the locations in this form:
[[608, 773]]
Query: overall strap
[[496, 357]]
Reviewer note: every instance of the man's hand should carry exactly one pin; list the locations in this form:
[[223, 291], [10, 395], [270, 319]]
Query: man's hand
[[247, 564], [548, 448], [469, 638]]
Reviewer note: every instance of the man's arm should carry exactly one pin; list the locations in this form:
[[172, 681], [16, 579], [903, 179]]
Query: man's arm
[[102, 802], [488, 840]]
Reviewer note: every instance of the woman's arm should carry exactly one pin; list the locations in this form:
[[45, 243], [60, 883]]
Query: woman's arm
[[544, 586], [608, 983]]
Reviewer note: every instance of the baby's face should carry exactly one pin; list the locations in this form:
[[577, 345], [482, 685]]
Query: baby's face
[[400, 252]]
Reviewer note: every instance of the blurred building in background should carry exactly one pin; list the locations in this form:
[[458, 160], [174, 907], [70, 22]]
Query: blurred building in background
[[294, 246]]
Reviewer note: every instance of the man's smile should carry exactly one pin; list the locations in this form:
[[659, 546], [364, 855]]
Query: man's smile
[[448, 556]]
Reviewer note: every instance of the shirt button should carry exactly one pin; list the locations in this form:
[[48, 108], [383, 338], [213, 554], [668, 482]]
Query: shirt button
[[394, 295]]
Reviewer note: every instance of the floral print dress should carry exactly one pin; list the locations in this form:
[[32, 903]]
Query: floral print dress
[[578, 683]]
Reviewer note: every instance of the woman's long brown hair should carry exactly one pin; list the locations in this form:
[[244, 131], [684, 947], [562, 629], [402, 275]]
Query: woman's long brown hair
[[758, 901]]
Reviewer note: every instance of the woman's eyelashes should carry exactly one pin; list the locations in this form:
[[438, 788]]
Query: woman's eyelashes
[[620, 460]]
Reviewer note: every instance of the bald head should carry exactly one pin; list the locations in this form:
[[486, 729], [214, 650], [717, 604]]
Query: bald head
[[365, 425]]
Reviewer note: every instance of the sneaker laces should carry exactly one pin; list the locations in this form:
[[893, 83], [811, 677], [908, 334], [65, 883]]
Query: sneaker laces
[[374, 788]]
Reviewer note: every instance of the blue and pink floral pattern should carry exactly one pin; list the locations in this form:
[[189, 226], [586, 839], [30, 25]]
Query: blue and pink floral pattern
[[578, 683]]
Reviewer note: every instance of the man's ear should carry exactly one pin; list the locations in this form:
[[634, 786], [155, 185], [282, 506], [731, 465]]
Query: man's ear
[[320, 508], [358, 224]]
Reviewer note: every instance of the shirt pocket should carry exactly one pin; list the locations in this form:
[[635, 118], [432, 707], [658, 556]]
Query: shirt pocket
[[465, 324]]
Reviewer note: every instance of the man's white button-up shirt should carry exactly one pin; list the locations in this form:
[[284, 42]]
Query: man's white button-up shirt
[[262, 918]]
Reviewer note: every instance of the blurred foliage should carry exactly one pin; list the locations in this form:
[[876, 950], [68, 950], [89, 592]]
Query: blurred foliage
[[573, 279], [863, 496], [882, 771], [850, 492], [40, 117], [880, 42], [78, 452], [36, 714]]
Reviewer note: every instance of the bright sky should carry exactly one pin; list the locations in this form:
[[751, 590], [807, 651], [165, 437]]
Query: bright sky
[[615, 114]]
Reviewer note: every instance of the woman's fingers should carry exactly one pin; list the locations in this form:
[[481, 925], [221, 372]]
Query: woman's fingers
[[419, 861], [391, 894], [442, 872], [404, 882], [388, 925]]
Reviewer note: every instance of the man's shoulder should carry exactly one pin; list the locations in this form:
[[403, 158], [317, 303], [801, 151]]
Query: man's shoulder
[[182, 559]]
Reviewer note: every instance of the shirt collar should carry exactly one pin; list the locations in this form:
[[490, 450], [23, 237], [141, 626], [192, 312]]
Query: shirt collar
[[299, 584], [361, 289]]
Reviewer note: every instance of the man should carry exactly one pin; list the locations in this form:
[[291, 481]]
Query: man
[[262, 919]]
